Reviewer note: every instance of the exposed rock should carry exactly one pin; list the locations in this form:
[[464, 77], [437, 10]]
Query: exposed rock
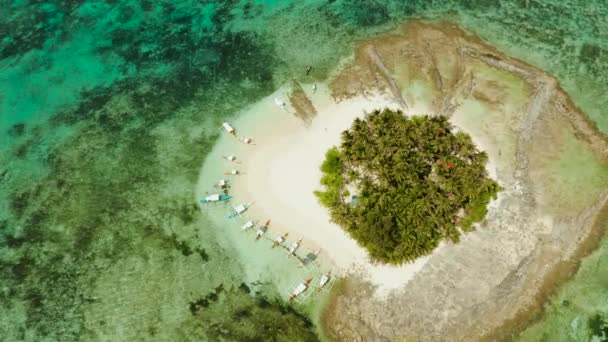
[[304, 109], [497, 277]]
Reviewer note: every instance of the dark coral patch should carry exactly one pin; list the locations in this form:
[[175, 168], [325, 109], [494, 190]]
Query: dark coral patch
[[16, 130]]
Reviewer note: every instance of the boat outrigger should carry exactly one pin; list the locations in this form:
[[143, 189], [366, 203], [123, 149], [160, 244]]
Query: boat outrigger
[[215, 198], [280, 103], [293, 248], [239, 209], [231, 157], [229, 129], [323, 280], [262, 230], [222, 184], [299, 289], [247, 141], [279, 240], [248, 225]]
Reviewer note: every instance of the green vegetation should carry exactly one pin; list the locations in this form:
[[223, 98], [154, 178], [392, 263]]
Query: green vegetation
[[416, 182], [599, 327], [240, 315]]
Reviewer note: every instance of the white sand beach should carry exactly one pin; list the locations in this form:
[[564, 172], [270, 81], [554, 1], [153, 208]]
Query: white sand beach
[[281, 171], [496, 275]]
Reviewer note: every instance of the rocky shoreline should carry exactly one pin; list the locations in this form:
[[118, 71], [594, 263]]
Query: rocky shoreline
[[496, 279]]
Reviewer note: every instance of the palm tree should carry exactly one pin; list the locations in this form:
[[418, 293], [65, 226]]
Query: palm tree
[[413, 175]]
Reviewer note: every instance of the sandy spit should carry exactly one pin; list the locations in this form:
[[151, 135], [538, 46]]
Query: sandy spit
[[281, 171]]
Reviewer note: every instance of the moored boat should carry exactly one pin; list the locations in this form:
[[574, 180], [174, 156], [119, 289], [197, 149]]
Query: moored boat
[[262, 230], [248, 225], [228, 128], [239, 209], [222, 183], [323, 280], [294, 247], [280, 103], [279, 240], [299, 289], [215, 198], [246, 140], [230, 157]]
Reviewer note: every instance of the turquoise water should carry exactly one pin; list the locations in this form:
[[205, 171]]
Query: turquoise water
[[108, 108]]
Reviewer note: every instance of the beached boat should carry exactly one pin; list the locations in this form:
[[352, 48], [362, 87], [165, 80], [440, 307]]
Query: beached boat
[[215, 198], [248, 225], [279, 240], [324, 280], [245, 140], [280, 103], [222, 183], [228, 128], [294, 246], [262, 230], [239, 209], [230, 157], [299, 289]]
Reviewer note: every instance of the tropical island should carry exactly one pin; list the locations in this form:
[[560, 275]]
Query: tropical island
[[547, 158], [416, 182]]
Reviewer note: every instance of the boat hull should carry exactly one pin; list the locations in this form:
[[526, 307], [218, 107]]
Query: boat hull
[[222, 199]]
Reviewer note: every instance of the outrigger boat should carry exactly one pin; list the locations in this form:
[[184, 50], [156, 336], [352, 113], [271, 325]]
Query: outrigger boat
[[246, 141], [215, 198], [280, 103], [292, 249], [279, 240], [310, 257], [229, 129], [248, 225], [299, 289], [239, 209], [230, 157], [323, 280], [262, 230], [222, 184], [232, 172]]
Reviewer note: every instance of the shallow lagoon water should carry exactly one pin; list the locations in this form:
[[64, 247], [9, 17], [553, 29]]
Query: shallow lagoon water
[[100, 236]]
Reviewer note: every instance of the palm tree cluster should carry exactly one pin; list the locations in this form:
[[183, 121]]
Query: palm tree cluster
[[417, 183]]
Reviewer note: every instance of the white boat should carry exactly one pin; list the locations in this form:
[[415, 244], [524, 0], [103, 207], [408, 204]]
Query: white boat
[[262, 230], [279, 240], [314, 88], [239, 209], [230, 157], [232, 173], [248, 225], [280, 103], [228, 128], [259, 233], [215, 198], [299, 289], [222, 183], [245, 140], [294, 247], [324, 280]]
